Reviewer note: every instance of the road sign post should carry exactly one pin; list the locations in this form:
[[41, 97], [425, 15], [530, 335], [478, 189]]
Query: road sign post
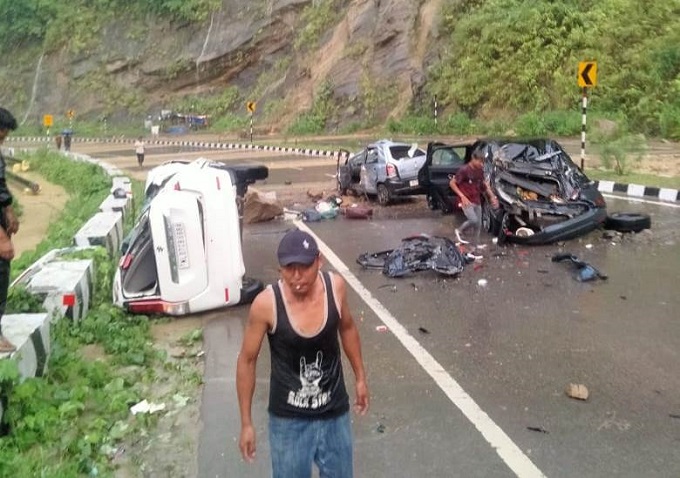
[[435, 110], [48, 122], [587, 78], [251, 106]]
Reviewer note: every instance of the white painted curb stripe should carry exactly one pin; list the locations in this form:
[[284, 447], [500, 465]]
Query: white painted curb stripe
[[640, 200], [509, 452], [666, 194]]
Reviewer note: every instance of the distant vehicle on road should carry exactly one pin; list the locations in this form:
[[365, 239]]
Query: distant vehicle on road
[[544, 197], [384, 169]]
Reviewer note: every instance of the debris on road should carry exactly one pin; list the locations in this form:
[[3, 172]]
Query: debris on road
[[260, 208], [147, 407], [538, 429], [417, 253], [381, 328], [577, 391], [585, 272]]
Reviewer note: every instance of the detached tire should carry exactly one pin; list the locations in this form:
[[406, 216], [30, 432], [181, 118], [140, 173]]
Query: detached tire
[[628, 222]]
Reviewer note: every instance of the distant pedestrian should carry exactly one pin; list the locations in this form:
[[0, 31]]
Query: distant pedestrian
[[8, 225], [67, 142], [469, 184], [139, 150], [58, 139]]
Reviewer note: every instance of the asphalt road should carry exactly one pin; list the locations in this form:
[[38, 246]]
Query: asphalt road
[[468, 380]]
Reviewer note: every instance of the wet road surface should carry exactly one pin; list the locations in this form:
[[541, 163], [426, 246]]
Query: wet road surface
[[512, 347]]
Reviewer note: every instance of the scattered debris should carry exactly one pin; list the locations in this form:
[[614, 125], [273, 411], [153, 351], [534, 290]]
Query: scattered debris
[[577, 391], [260, 208], [146, 407], [673, 415], [482, 282], [358, 211], [380, 428], [381, 328], [538, 429], [392, 287], [423, 330], [417, 253], [585, 272]]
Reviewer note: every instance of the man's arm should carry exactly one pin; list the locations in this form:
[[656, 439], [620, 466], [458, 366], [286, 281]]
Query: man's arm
[[11, 220], [259, 321], [351, 344], [490, 194], [6, 246]]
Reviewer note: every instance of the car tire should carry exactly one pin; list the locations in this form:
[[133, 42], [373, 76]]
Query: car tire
[[628, 222], [384, 197]]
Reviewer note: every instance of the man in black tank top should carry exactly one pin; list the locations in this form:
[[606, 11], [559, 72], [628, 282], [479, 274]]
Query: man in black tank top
[[302, 316]]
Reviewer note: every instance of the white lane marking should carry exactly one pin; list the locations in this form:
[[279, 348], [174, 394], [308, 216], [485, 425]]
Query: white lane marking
[[646, 201], [509, 452]]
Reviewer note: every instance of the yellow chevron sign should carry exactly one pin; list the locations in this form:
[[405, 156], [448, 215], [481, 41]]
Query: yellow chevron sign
[[587, 74]]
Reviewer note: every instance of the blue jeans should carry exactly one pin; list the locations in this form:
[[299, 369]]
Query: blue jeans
[[296, 443]]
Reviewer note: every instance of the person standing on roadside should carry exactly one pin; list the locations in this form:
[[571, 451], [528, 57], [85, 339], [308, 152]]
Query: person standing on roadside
[[139, 150], [302, 316], [469, 184], [8, 225]]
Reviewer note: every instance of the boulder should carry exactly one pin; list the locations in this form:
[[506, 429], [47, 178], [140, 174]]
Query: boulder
[[257, 208]]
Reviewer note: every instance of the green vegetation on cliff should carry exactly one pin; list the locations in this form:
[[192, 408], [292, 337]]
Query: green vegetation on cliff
[[505, 57]]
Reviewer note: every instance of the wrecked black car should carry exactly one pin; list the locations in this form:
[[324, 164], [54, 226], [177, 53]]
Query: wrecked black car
[[544, 197]]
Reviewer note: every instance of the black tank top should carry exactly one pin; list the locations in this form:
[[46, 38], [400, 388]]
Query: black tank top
[[306, 372]]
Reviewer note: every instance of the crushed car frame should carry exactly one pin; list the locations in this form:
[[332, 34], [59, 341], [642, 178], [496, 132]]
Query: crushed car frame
[[543, 196]]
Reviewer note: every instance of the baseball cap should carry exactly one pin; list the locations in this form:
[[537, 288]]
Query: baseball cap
[[297, 247]]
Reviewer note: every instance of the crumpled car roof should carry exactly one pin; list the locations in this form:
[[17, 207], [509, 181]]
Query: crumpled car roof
[[417, 253]]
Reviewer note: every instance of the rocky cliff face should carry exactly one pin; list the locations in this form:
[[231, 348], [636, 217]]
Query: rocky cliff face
[[372, 54]]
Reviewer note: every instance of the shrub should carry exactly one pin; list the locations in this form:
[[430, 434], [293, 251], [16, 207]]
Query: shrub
[[620, 153]]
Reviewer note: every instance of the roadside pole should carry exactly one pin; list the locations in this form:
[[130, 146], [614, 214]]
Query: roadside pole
[[251, 106], [435, 110], [587, 78], [584, 107]]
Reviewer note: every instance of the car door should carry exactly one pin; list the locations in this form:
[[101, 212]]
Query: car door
[[444, 161], [370, 171]]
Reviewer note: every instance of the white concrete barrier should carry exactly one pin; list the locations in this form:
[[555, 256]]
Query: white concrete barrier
[[114, 204], [66, 286], [103, 229]]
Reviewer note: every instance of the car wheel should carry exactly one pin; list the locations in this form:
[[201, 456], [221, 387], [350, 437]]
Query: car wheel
[[432, 203], [384, 197], [628, 222]]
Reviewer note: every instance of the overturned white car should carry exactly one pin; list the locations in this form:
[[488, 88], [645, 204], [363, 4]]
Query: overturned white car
[[184, 253]]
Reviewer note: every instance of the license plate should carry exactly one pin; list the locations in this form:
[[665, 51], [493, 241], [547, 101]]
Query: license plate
[[179, 236], [413, 183]]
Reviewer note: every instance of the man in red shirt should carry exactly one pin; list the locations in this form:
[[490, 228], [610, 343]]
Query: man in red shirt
[[468, 184]]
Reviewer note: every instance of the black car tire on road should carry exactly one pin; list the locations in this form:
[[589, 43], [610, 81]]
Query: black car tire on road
[[628, 222], [384, 196]]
